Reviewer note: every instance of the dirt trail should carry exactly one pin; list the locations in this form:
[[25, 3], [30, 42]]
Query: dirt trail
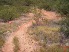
[[8, 46], [51, 15], [26, 44]]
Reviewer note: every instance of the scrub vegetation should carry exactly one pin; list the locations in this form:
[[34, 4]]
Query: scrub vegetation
[[43, 32]]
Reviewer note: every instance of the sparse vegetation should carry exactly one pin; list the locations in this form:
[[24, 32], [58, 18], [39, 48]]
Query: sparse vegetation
[[16, 43], [2, 36], [52, 49], [1, 41], [5, 30], [12, 9], [43, 34]]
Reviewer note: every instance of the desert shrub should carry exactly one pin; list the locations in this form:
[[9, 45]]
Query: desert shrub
[[62, 6], [65, 27], [8, 13], [23, 9]]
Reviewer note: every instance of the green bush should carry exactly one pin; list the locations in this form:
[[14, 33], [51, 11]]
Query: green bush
[[8, 14], [65, 27], [62, 6], [23, 9]]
